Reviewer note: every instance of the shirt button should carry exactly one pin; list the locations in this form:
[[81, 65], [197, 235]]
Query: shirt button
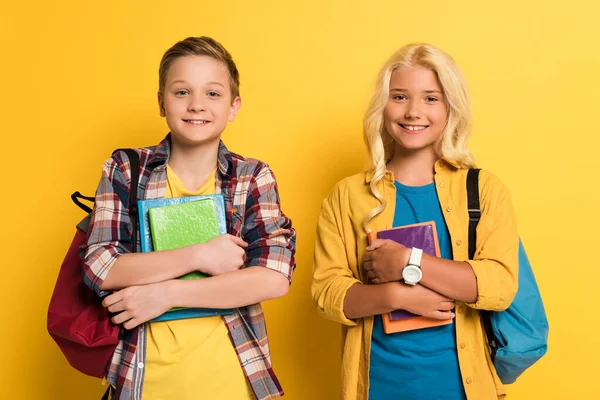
[[469, 380], [462, 345], [441, 184], [234, 210], [461, 310], [140, 365], [459, 242], [449, 208]]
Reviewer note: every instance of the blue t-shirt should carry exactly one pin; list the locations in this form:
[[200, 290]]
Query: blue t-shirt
[[420, 364]]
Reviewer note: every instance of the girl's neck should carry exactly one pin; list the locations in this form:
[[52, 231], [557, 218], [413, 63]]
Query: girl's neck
[[193, 164], [413, 168]]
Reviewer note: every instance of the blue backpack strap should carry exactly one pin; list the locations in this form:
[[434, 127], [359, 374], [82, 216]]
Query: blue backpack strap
[[474, 216]]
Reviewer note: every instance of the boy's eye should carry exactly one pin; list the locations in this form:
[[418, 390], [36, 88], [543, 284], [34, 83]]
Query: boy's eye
[[181, 92], [213, 94]]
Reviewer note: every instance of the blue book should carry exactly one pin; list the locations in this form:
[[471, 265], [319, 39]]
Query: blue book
[[217, 227]]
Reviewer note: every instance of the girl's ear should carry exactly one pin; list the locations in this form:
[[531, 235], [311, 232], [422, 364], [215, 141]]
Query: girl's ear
[[161, 104], [235, 106]]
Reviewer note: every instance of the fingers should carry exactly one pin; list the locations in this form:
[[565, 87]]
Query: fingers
[[121, 317], [377, 243], [446, 305], [112, 299], [116, 307], [371, 275], [239, 241], [132, 323], [440, 315]]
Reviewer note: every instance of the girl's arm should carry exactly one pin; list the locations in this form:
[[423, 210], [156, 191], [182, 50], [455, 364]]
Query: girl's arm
[[487, 282], [385, 260], [366, 300]]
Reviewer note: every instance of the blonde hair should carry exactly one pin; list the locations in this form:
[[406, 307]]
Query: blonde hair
[[452, 144], [200, 46]]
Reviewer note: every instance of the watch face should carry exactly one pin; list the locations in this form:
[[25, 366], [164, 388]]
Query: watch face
[[412, 274]]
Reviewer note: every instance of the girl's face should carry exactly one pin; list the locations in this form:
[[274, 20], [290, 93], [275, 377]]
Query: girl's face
[[196, 100], [415, 114]]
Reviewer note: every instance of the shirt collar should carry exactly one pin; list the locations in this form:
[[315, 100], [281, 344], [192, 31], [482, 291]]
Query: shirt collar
[[162, 152], [439, 165]]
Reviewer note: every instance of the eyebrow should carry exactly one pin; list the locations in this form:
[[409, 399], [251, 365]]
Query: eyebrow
[[208, 83], [425, 91]]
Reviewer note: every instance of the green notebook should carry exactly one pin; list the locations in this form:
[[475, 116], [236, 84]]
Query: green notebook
[[181, 225]]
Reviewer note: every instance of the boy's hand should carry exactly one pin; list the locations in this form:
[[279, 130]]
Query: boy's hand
[[422, 301], [385, 260], [222, 254], [135, 305]]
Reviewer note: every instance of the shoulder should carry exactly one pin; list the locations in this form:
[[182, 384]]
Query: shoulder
[[245, 166], [118, 165], [348, 188]]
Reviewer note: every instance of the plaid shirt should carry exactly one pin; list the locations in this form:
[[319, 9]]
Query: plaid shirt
[[253, 212]]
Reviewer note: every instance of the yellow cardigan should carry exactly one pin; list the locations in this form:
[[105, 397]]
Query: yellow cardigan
[[340, 245]]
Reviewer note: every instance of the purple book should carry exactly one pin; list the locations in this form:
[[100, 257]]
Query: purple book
[[422, 236]]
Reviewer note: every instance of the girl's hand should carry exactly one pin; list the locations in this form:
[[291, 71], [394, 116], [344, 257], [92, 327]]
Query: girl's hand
[[423, 301], [385, 260], [222, 254], [135, 305]]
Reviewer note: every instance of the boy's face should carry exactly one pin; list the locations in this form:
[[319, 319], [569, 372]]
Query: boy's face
[[196, 100]]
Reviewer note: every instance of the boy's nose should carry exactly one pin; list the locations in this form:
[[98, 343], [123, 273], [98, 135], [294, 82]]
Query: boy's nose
[[196, 104]]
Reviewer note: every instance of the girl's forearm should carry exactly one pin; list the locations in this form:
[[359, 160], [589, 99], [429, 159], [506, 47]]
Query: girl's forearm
[[454, 279]]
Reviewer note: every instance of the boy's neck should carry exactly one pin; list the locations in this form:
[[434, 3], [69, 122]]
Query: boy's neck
[[193, 164], [413, 168]]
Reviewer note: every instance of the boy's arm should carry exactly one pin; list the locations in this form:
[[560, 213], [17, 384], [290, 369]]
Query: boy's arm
[[138, 304], [269, 233], [108, 262]]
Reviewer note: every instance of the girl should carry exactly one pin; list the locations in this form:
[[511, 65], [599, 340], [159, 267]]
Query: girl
[[203, 358], [416, 131]]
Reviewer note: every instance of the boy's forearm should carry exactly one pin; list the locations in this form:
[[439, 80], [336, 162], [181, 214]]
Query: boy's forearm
[[234, 289], [144, 268]]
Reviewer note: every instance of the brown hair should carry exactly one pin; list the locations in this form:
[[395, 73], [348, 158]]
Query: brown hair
[[200, 46]]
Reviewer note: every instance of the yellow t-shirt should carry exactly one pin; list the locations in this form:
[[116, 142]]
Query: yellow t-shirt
[[192, 358]]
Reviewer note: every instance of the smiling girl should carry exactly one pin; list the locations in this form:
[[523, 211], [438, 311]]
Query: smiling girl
[[223, 357], [416, 130]]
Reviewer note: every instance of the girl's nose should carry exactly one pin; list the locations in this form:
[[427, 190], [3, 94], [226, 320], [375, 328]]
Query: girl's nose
[[412, 111]]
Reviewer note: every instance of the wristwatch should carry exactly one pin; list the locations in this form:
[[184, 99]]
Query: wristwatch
[[412, 273]]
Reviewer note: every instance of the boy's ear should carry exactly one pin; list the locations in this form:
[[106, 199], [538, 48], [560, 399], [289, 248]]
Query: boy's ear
[[235, 106], [161, 104]]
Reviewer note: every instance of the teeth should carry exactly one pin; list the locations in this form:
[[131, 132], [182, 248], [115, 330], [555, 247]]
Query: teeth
[[414, 128], [196, 122]]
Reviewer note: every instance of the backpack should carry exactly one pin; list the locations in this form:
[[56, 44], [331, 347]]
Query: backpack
[[77, 321], [517, 336]]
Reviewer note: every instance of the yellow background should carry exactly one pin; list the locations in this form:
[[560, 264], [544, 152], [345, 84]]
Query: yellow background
[[79, 79]]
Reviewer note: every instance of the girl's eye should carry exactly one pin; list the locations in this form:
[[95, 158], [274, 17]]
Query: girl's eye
[[213, 94], [181, 92], [431, 99], [399, 97]]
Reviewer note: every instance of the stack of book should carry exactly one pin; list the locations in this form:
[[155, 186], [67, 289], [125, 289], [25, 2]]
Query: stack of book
[[172, 223]]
